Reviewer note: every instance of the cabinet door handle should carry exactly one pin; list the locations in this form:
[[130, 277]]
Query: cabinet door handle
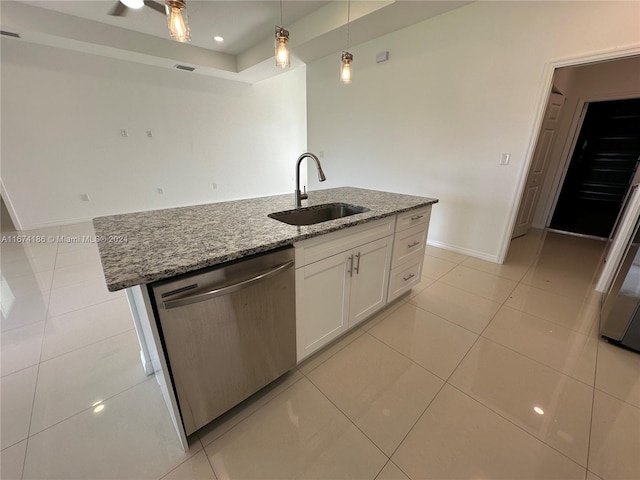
[[408, 277], [411, 245], [357, 268], [417, 217], [350, 266]]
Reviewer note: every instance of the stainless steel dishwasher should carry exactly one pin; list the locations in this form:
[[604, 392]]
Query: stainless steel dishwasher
[[228, 331]]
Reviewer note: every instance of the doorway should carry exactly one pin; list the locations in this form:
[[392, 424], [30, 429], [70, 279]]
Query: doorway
[[601, 169]]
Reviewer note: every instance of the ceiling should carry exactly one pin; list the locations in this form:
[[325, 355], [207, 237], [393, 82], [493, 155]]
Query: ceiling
[[318, 28]]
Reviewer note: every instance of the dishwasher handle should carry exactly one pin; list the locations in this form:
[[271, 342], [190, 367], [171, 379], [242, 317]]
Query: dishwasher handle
[[227, 289]]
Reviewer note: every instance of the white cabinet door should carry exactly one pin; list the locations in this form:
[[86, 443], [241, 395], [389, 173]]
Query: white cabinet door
[[322, 302], [370, 279]]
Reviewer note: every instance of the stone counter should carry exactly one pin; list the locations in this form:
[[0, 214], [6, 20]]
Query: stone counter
[[144, 247]]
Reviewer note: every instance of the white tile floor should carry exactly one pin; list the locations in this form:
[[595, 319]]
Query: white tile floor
[[483, 371]]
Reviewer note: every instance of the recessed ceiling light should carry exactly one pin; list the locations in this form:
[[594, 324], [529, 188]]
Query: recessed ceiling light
[[133, 3], [218, 38]]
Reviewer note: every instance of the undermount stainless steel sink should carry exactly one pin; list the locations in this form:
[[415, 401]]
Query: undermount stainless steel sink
[[317, 213]]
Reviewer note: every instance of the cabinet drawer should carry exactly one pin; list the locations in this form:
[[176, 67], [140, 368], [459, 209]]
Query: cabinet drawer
[[323, 246], [413, 218], [403, 278], [408, 242]]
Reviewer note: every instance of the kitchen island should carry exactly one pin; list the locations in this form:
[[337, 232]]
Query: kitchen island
[[365, 260]]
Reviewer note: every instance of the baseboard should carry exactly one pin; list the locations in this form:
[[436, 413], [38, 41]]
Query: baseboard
[[464, 251]]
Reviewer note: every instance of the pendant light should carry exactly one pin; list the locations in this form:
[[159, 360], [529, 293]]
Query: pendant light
[[177, 20], [347, 58], [283, 56]]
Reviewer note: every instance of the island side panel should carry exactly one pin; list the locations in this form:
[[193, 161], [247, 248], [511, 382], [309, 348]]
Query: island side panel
[[136, 305], [149, 338]]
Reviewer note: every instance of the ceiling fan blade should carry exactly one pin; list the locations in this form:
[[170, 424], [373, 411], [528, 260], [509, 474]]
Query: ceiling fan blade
[[157, 6], [120, 10]]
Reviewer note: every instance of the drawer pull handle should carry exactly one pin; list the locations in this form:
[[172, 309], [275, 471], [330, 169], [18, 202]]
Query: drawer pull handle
[[408, 277], [350, 271], [417, 217], [411, 245], [357, 267]]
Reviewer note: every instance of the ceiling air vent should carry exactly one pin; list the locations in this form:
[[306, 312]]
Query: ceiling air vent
[[185, 67], [9, 34]]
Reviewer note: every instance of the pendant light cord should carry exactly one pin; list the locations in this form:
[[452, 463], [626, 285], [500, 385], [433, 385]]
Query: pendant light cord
[[348, 20], [281, 22]]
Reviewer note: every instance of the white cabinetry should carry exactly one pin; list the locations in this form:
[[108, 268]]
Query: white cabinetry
[[341, 279], [345, 276], [408, 251]]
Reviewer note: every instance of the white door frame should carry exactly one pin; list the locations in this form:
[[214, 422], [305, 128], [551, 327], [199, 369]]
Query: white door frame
[[570, 146], [9, 205], [543, 97]]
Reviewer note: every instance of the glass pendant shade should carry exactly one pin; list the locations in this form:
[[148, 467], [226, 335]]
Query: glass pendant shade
[[177, 20], [283, 58], [345, 68]]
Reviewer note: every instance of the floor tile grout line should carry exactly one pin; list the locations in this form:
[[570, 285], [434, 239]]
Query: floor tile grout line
[[445, 259], [82, 308], [444, 382], [495, 274], [545, 319], [481, 296], [449, 321], [21, 326], [119, 297], [604, 392], [501, 277], [189, 457], [251, 414], [110, 397], [394, 463], [416, 422], [349, 420], [35, 387], [562, 295], [593, 404], [519, 427], [405, 356], [560, 372], [108, 337], [330, 345]]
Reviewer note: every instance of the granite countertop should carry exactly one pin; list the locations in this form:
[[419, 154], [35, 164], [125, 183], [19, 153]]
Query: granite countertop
[[143, 247]]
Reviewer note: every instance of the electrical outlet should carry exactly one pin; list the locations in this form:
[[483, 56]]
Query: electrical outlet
[[124, 132], [149, 134], [160, 190], [215, 186], [504, 160], [84, 197]]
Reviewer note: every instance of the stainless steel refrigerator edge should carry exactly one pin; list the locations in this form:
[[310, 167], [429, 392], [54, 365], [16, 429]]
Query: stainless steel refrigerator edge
[[228, 331], [620, 310]]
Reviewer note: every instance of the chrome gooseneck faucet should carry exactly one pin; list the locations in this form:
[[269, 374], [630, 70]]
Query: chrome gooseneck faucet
[[303, 196]]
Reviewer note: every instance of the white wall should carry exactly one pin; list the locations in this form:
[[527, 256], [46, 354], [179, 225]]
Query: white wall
[[600, 81], [62, 113], [458, 90]]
